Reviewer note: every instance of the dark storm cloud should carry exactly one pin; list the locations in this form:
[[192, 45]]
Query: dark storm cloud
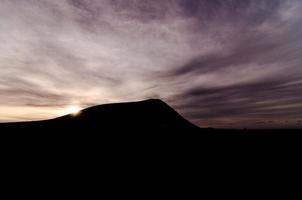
[[219, 62]]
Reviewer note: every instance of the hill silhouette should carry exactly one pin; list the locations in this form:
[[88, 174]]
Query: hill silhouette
[[127, 149], [149, 115], [152, 114]]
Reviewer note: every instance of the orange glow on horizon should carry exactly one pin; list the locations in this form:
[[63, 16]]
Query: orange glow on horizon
[[72, 110]]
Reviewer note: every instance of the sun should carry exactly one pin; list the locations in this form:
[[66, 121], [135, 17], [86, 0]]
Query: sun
[[73, 110]]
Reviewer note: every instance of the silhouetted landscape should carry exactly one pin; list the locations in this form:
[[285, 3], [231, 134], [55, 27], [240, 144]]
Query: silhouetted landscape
[[146, 147], [150, 99]]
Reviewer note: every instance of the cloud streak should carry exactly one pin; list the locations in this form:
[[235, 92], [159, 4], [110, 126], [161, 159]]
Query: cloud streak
[[220, 63]]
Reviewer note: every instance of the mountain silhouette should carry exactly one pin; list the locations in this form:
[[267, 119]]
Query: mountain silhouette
[[138, 149], [152, 114]]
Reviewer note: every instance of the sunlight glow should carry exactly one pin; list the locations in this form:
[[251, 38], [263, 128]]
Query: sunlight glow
[[73, 110]]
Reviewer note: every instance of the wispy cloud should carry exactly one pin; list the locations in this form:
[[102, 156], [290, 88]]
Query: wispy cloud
[[219, 62]]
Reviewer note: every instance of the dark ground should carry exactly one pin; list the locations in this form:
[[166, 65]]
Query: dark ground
[[143, 150]]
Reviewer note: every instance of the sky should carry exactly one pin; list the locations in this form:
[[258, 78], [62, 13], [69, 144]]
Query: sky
[[220, 63]]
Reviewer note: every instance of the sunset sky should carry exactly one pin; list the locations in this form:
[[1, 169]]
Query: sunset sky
[[220, 63]]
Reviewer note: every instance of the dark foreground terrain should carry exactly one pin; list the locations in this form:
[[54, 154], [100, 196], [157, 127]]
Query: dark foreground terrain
[[143, 150]]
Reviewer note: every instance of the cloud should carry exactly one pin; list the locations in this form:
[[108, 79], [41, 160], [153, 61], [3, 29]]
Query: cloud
[[203, 57], [266, 98], [255, 75]]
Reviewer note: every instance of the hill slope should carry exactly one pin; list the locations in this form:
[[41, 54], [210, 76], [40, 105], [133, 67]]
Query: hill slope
[[139, 149], [144, 116], [152, 114]]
